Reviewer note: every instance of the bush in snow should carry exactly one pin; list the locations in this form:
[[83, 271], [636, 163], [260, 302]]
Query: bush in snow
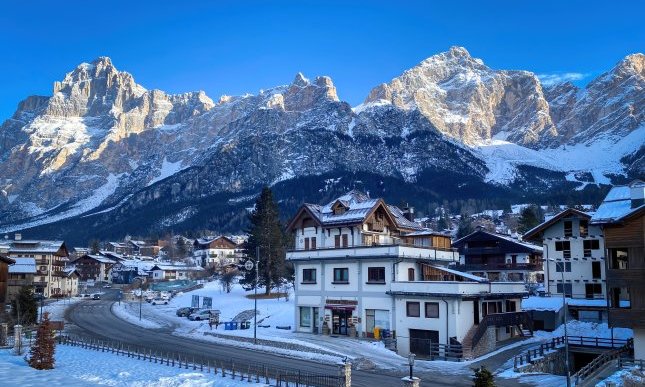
[[483, 378]]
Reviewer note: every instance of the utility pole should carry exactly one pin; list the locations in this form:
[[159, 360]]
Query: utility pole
[[255, 298], [566, 338]]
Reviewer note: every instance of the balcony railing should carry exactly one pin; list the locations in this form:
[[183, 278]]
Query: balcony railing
[[498, 266], [500, 320], [457, 288], [377, 250]]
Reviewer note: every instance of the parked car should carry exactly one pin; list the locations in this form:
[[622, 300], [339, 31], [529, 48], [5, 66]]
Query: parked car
[[186, 311], [159, 301], [96, 296], [107, 286], [203, 314]]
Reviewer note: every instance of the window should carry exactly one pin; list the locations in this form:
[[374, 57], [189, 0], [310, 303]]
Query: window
[[593, 290], [591, 244], [568, 228], [568, 289], [560, 265], [432, 310], [565, 247], [308, 276], [376, 275], [491, 307], [410, 274], [306, 243], [337, 241], [511, 306], [313, 243], [619, 298], [345, 241], [595, 270], [584, 227], [341, 275], [413, 309], [618, 259], [305, 316]]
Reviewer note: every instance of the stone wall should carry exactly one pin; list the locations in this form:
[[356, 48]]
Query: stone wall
[[550, 363], [486, 344]]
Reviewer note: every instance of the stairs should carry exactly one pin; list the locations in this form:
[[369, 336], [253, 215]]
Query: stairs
[[467, 343], [524, 331]]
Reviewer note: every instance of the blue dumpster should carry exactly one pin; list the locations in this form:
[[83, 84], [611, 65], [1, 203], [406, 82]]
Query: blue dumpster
[[228, 326]]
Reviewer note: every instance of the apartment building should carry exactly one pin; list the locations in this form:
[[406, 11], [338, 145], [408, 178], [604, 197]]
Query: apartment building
[[364, 268], [622, 218]]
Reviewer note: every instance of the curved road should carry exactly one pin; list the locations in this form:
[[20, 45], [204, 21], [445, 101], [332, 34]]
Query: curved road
[[94, 318]]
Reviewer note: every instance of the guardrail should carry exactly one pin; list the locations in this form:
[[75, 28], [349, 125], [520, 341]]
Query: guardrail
[[230, 367]]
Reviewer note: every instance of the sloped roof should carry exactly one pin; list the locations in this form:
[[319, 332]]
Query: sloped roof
[[23, 266], [6, 260], [35, 246], [175, 267], [358, 207], [508, 238], [617, 205], [461, 274], [535, 231]]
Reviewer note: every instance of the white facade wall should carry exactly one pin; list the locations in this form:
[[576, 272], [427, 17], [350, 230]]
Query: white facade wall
[[639, 344], [581, 266]]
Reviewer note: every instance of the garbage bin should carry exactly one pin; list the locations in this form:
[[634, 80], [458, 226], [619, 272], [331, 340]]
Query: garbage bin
[[377, 333], [385, 333], [246, 325]]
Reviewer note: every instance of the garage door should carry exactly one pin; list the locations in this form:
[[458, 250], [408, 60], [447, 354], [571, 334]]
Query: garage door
[[420, 340]]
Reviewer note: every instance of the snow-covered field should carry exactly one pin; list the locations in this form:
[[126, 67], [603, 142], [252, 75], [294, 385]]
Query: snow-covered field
[[83, 367]]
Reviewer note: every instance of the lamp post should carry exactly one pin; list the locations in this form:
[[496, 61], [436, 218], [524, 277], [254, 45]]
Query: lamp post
[[140, 281], [411, 364]]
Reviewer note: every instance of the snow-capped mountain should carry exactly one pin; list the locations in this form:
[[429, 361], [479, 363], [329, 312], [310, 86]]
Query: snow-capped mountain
[[105, 147]]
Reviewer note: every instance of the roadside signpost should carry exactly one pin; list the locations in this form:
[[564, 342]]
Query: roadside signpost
[[207, 302], [195, 302]]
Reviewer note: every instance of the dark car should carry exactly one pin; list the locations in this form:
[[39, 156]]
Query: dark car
[[96, 296], [186, 311]]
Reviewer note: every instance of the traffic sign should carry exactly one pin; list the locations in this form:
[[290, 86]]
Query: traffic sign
[[248, 265]]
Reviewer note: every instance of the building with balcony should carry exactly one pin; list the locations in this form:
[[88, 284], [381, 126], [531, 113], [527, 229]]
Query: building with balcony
[[214, 251], [364, 268], [95, 267], [21, 273], [622, 218], [51, 258], [499, 257]]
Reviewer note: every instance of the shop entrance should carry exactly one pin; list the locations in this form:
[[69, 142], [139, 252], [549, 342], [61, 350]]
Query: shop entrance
[[340, 321]]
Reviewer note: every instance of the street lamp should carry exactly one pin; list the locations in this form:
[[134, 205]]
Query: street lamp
[[140, 281], [561, 266], [411, 363]]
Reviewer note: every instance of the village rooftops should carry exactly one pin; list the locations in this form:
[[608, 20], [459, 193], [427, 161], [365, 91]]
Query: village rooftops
[[23, 266], [621, 202]]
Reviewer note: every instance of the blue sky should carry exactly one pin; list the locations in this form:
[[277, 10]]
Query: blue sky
[[235, 47]]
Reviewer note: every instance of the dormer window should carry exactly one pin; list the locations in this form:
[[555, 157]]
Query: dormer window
[[339, 208]]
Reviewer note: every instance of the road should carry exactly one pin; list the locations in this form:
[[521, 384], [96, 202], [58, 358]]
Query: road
[[94, 318]]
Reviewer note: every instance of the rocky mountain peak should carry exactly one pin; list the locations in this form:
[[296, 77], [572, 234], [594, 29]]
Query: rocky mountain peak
[[303, 95], [300, 80], [634, 63]]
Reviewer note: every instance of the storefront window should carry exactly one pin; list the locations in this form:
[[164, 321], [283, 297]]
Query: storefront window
[[305, 316]]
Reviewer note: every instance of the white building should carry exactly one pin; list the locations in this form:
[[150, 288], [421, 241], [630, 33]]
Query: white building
[[574, 249], [214, 251], [167, 272], [362, 267]]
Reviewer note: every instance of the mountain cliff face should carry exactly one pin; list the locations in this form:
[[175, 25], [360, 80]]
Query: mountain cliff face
[[470, 102], [105, 147]]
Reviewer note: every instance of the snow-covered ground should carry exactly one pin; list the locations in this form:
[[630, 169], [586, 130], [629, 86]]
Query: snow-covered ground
[[617, 379], [83, 367]]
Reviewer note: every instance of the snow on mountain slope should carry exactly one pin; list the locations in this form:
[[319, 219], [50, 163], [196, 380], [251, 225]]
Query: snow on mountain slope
[[599, 157]]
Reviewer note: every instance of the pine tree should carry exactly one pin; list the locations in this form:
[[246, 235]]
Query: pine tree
[[95, 246], [483, 378], [465, 225], [25, 307], [42, 352], [267, 233], [529, 218]]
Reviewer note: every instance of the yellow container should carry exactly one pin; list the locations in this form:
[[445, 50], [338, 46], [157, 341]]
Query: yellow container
[[377, 333]]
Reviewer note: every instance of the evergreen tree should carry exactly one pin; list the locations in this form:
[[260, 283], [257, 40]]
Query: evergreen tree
[[25, 307], [529, 218], [266, 233], [42, 352], [483, 378], [444, 220], [95, 246], [465, 225]]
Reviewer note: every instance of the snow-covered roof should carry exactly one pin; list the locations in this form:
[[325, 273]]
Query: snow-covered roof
[[426, 232], [617, 205], [461, 274], [554, 303], [357, 207], [533, 233], [35, 246], [23, 266], [176, 268], [101, 258], [501, 236]]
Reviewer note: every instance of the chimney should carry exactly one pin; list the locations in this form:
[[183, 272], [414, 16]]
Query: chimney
[[408, 212], [637, 193], [17, 237]]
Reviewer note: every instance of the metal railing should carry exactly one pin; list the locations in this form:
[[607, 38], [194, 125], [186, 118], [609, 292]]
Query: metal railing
[[374, 244], [601, 360], [231, 367], [531, 354], [429, 349], [498, 266]]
